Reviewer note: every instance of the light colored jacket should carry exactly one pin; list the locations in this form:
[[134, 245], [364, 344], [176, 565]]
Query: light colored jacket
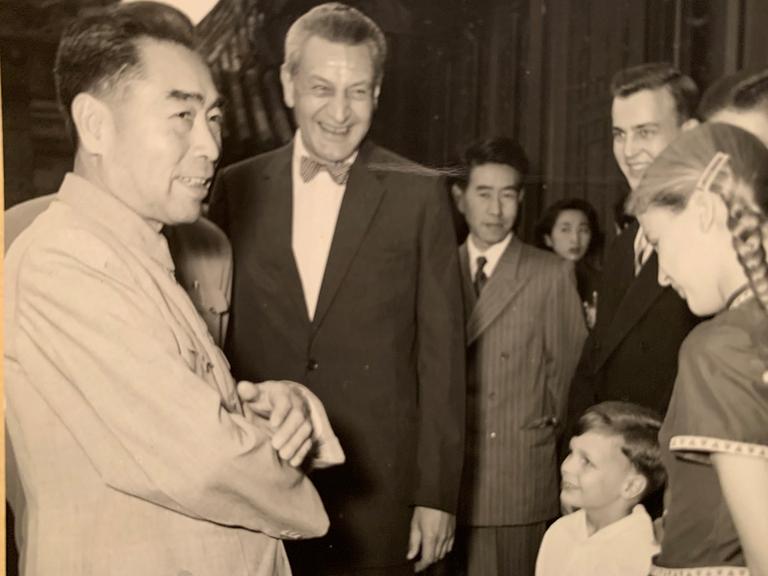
[[132, 452]]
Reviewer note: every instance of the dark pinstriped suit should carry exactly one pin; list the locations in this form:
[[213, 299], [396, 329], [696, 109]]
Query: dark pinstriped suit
[[525, 335]]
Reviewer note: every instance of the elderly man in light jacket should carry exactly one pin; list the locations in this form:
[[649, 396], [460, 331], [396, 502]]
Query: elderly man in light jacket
[[135, 451]]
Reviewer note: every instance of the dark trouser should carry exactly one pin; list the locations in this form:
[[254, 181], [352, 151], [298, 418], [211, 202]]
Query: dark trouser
[[497, 550]]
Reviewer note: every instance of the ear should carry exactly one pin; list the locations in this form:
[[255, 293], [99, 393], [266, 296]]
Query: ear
[[521, 196], [634, 486], [286, 79], [92, 118], [688, 124], [458, 197], [548, 241], [376, 92]]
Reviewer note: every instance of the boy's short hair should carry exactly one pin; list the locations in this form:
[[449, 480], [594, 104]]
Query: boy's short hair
[[638, 427]]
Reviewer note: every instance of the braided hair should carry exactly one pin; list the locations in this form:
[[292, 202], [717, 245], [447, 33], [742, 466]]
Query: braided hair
[[726, 161]]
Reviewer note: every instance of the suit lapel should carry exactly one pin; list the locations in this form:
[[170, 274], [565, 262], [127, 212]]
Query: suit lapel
[[505, 283], [639, 297], [361, 199], [277, 202], [470, 298]]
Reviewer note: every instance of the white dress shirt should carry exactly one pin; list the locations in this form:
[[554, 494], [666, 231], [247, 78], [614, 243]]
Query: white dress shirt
[[624, 548], [316, 206], [492, 255]]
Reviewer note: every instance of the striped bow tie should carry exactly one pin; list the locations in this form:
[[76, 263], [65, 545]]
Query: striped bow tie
[[310, 167]]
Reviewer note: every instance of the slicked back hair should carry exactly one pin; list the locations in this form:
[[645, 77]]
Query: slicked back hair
[[744, 90], [497, 150], [99, 51], [338, 23], [656, 75]]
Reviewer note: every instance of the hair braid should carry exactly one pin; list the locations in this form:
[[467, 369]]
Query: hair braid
[[748, 225]]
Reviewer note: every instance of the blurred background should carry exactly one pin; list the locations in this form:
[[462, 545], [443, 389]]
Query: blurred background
[[536, 70]]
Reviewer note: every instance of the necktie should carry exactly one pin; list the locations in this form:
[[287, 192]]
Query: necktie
[[643, 251], [480, 277], [310, 167]]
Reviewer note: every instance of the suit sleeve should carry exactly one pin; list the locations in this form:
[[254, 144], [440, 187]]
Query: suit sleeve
[[441, 359], [564, 334], [107, 363], [581, 394]]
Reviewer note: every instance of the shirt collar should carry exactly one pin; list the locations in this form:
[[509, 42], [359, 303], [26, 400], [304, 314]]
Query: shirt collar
[[492, 255], [300, 150], [118, 218]]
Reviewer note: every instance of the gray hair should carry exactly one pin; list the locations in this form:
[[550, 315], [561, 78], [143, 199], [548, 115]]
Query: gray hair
[[340, 23]]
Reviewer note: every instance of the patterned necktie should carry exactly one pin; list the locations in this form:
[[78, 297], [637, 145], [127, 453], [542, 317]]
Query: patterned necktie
[[643, 251], [480, 277], [339, 172]]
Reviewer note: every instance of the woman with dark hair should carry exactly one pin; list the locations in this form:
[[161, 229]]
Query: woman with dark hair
[[703, 205], [570, 229]]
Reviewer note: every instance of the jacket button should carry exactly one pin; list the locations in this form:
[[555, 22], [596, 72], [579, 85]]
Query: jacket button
[[313, 364]]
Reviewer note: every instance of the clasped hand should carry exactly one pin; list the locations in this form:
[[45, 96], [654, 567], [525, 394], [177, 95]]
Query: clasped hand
[[287, 411]]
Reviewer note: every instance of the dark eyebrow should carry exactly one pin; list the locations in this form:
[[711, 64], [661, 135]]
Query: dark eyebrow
[[183, 96], [515, 188]]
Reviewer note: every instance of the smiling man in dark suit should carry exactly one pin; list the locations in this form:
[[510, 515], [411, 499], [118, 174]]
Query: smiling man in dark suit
[[631, 354], [347, 280], [524, 333]]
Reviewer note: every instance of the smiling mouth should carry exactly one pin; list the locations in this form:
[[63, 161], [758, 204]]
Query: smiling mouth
[[193, 181], [334, 130]]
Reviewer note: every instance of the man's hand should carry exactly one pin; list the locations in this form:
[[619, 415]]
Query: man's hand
[[432, 532], [288, 412]]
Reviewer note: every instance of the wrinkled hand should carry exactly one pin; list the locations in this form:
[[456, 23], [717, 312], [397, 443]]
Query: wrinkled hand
[[288, 412], [432, 533]]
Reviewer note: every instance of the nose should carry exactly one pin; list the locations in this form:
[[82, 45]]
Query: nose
[[494, 206], [206, 139], [565, 466], [630, 146], [339, 107]]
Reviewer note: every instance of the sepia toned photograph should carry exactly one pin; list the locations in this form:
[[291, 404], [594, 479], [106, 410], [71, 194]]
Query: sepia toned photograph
[[385, 287]]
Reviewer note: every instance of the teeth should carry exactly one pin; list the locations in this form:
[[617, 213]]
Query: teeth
[[193, 181], [338, 131]]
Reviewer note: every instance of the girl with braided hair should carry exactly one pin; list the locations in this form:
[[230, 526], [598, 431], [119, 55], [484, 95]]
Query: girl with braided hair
[[703, 205]]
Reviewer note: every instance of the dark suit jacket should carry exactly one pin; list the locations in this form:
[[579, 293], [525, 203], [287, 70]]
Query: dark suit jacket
[[524, 334], [385, 352], [632, 352]]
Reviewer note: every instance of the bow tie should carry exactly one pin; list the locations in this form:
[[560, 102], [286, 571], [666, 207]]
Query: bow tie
[[310, 167]]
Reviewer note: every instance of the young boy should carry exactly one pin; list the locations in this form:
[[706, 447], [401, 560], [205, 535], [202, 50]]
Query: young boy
[[614, 462]]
